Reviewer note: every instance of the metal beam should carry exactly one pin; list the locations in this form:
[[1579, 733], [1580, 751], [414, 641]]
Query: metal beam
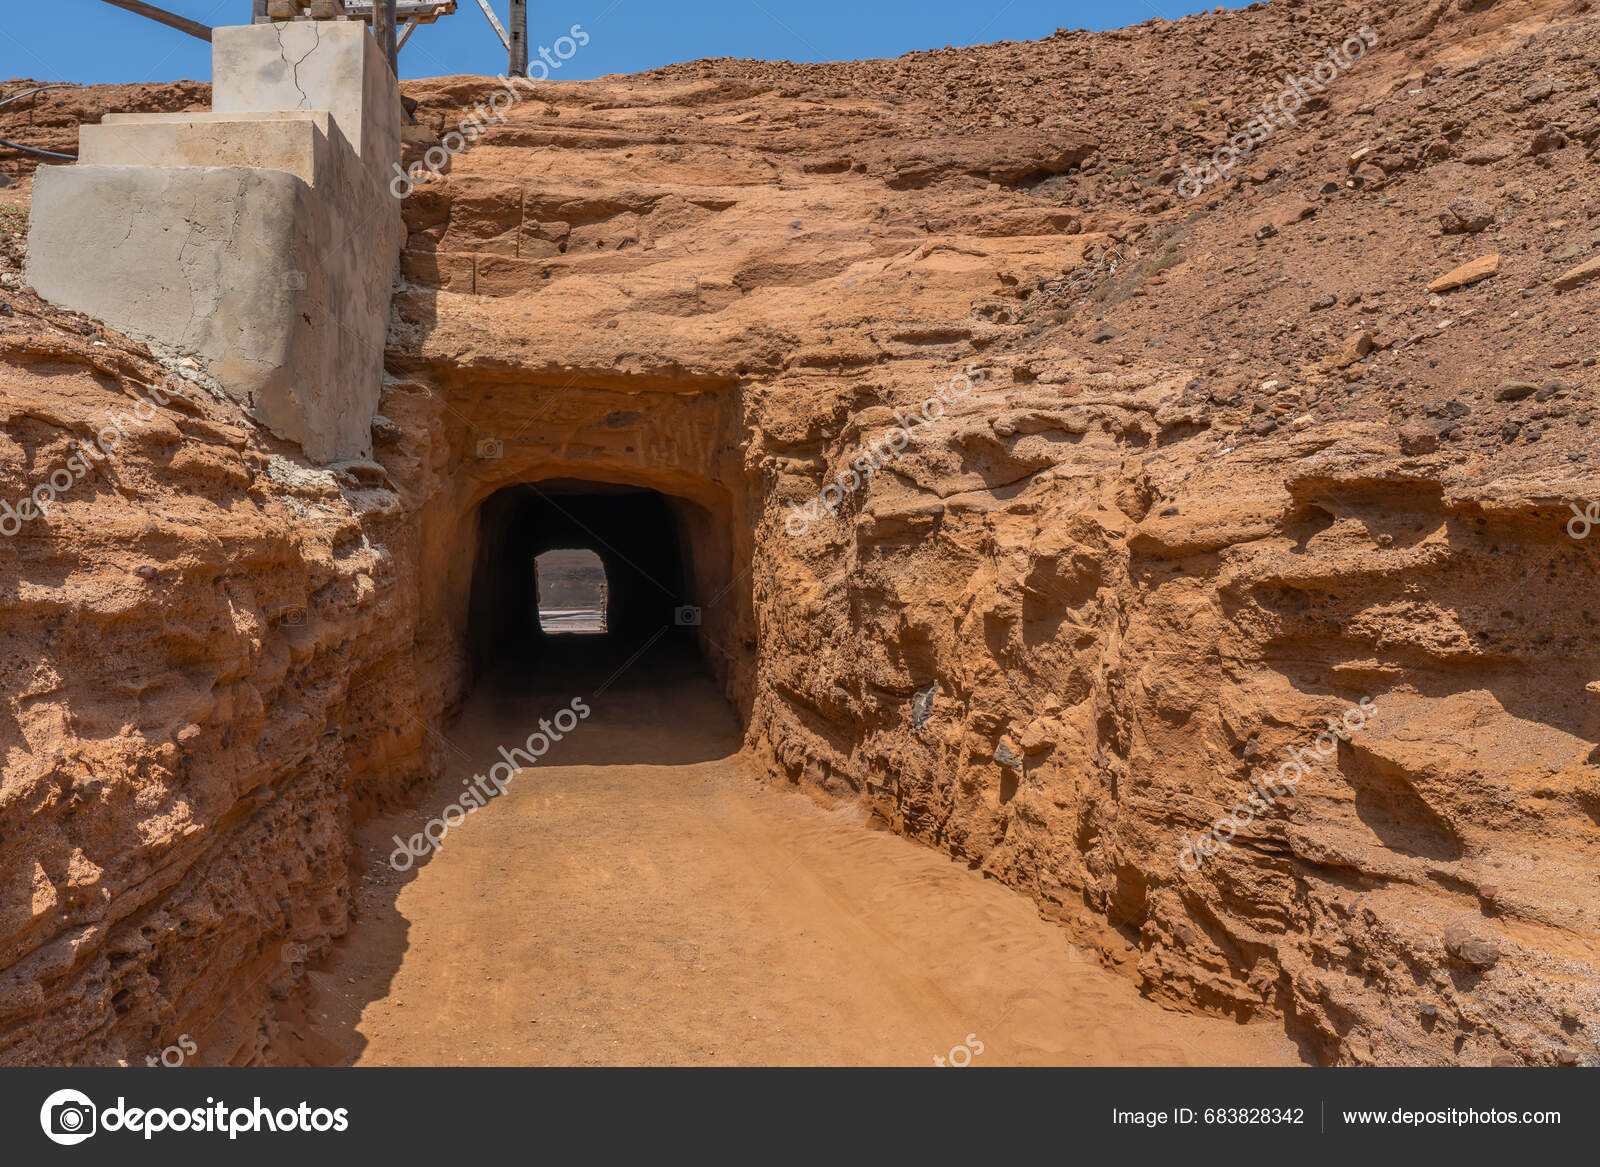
[[499, 29], [519, 39], [426, 11], [383, 30], [162, 16]]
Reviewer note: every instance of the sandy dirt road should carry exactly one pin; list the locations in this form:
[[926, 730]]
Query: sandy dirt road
[[637, 898]]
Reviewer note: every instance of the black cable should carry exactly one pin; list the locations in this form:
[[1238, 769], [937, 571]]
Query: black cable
[[35, 149], [37, 89]]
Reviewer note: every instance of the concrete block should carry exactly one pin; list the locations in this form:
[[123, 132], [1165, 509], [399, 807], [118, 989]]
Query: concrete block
[[244, 268], [290, 142], [257, 240], [312, 64]]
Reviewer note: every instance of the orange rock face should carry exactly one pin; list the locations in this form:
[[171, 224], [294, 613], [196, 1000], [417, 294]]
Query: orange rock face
[[1047, 512]]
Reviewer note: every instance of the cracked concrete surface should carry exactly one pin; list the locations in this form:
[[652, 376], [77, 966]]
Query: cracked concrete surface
[[294, 66], [259, 238]]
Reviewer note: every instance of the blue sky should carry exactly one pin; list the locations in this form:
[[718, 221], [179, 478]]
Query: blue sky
[[89, 41]]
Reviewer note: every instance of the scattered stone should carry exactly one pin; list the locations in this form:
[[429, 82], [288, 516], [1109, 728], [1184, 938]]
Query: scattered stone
[[1515, 390], [1469, 948], [1326, 300], [1552, 389], [1488, 152], [1457, 408], [1006, 757], [1265, 231], [145, 571], [1539, 90], [1504, 1062], [1418, 439], [1369, 177], [1581, 274], [1466, 216], [1104, 333], [1357, 347], [1468, 273], [1548, 139]]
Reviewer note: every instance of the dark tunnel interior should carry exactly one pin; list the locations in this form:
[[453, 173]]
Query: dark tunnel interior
[[641, 540]]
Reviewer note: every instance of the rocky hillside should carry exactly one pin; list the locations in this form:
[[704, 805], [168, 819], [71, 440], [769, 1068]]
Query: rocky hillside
[[1200, 474]]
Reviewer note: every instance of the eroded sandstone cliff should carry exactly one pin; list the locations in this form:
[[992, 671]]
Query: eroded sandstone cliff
[[1206, 472]]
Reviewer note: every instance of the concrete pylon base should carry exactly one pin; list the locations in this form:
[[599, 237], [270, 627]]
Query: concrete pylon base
[[260, 239]]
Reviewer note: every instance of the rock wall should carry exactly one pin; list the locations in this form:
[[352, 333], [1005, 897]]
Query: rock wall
[[207, 671], [1225, 468], [1053, 645]]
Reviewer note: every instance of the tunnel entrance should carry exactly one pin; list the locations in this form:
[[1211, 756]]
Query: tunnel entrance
[[584, 575], [573, 595]]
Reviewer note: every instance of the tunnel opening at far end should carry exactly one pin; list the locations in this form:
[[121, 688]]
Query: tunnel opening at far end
[[592, 577], [571, 592]]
